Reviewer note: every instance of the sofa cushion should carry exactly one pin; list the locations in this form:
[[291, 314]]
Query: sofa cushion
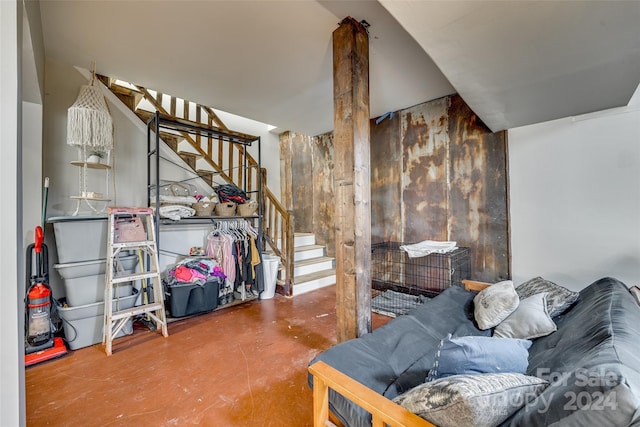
[[530, 320], [471, 400], [493, 304], [395, 357], [592, 362], [479, 355], [559, 298]]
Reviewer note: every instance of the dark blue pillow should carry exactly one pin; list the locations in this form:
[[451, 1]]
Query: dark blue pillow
[[480, 355]]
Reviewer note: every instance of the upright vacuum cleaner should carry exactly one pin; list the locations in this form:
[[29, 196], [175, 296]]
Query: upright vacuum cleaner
[[39, 342]]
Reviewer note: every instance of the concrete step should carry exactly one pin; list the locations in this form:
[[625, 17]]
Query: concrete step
[[313, 281], [307, 252], [309, 266]]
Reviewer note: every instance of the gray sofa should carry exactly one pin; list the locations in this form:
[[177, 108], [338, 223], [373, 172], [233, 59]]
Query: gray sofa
[[592, 361]]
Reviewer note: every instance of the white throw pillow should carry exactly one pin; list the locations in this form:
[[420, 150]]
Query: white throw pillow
[[530, 320], [493, 304]]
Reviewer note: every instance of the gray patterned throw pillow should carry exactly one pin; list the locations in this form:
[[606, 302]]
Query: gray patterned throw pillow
[[494, 303], [559, 298], [471, 400]]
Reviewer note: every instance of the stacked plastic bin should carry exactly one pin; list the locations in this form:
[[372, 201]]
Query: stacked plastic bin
[[81, 243]]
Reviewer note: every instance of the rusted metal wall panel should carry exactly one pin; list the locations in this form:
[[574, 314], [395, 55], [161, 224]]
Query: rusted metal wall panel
[[302, 181], [436, 173], [310, 160], [323, 195], [425, 142], [478, 216], [386, 164]]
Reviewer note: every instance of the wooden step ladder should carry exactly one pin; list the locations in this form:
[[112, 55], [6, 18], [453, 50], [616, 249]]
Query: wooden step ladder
[[128, 232]]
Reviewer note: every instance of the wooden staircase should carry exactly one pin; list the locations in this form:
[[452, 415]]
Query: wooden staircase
[[312, 268], [216, 162]]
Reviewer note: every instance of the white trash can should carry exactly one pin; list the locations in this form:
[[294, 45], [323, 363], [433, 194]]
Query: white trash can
[[270, 266]]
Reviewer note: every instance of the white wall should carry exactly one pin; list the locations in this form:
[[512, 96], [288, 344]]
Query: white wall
[[575, 199], [12, 403], [31, 169]]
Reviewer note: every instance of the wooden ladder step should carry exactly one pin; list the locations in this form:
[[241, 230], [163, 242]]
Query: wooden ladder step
[[134, 311], [131, 277], [133, 245]]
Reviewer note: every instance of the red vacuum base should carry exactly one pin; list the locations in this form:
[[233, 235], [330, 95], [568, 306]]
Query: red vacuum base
[[58, 350]]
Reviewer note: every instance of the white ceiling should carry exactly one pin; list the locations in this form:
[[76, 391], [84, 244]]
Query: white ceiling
[[515, 63]]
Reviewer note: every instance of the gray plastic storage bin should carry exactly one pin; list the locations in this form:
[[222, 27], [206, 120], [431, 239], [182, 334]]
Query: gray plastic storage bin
[[84, 281], [83, 325], [80, 238]]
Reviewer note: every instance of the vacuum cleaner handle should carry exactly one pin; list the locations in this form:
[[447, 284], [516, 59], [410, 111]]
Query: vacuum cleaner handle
[[42, 255], [39, 239]]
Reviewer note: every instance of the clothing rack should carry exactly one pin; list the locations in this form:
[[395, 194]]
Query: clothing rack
[[247, 231], [234, 245], [233, 226], [160, 123]]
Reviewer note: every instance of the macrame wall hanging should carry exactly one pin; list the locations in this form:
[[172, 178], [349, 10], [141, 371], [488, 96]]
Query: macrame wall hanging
[[90, 129], [89, 122]]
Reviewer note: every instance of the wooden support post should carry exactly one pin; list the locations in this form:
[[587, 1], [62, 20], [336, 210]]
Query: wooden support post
[[352, 181]]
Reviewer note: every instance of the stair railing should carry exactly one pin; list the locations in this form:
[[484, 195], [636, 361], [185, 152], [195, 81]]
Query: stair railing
[[278, 228]]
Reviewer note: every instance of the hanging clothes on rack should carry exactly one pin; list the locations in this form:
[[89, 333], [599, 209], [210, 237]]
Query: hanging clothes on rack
[[233, 244], [219, 248], [254, 259]]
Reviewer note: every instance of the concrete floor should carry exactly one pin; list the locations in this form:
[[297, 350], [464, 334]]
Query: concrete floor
[[241, 366]]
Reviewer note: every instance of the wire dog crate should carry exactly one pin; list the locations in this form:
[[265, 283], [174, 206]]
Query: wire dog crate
[[399, 282]]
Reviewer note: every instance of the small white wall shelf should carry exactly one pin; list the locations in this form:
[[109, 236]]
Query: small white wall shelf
[[97, 202]]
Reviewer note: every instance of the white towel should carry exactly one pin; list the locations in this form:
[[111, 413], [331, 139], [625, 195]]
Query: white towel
[[427, 247], [176, 212]]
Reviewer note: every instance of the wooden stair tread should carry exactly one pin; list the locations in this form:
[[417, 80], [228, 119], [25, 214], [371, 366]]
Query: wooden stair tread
[[313, 276], [190, 154], [312, 261], [144, 114], [308, 248], [118, 89]]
